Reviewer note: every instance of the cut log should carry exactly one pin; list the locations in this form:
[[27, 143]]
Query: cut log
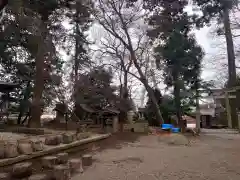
[[87, 160], [75, 165], [61, 172], [22, 170], [39, 177], [52, 141], [4, 176], [67, 138], [25, 148], [37, 145], [11, 149], [49, 161], [62, 158]]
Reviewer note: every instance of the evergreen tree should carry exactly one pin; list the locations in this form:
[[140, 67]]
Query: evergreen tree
[[177, 50], [219, 9], [95, 90], [79, 15], [149, 110], [28, 49]]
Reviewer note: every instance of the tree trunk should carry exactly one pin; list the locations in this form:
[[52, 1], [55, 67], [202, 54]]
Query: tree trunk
[[148, 88], [124, 95], [198, 116], [177, 100], [231, 64], [22, 106], [35, 120], [76, 56]]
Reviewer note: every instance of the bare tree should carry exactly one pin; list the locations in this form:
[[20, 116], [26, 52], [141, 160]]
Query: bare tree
[[114, 49], [118, 19]]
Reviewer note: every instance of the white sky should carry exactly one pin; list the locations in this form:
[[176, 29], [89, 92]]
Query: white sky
[[205, 42]]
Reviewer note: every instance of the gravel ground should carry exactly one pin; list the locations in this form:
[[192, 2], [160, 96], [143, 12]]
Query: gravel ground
[[213, 156]]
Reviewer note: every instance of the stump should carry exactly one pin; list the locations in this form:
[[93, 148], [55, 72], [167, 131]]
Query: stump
[[25, 148], [49, 161], [37, 145], [67, 138], [52, 140], [61, 172], [4, 176], [62, 158], [11, 150], [39, 177], [87, 160], [75, 165], [22, 170]]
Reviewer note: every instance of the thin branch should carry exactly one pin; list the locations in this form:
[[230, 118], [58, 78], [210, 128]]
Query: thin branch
[[134, 75]]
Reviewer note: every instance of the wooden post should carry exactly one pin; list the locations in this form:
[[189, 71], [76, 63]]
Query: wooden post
[[228, 108], [198, 115]]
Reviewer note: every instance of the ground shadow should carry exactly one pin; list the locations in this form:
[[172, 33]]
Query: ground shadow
[[116, 141]]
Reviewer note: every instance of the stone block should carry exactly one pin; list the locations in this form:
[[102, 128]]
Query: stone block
[[52, 140], [22, 170], [60, 138], [75, 165], [25, 148], [67, 138], [37, 145], [61, 172], [49, 161], [11, 149], [62, 158], [5, 176], [87, 160]]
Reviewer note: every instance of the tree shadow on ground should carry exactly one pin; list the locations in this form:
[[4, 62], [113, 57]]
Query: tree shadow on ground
[[116, 141]]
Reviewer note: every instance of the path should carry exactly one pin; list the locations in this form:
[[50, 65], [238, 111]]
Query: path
[[210, 157]]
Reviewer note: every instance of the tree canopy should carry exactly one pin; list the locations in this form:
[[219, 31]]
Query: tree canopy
[[48, 48]]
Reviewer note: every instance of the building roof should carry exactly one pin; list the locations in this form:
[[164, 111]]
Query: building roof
[[86, 108], [111, 110], [7, 86]]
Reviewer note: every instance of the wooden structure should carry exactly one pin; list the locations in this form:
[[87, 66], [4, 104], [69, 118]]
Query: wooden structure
[[227, 94], [84, 112], [61, 111], [109, 118], [5, 89]]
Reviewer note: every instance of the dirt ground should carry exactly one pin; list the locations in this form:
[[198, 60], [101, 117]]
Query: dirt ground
[[215, 155]]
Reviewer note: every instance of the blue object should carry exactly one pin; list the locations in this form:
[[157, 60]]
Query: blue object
[[167, 126], [175, 130]]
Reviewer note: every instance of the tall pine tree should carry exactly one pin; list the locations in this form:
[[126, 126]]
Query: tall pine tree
[[220, 10], [177, 49]]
